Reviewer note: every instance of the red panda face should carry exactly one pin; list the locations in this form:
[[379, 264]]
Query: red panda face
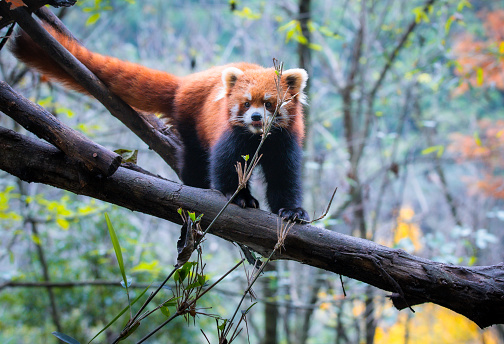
[[253, 99]]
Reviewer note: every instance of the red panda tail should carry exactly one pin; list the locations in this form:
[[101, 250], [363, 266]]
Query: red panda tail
[[141, 87]]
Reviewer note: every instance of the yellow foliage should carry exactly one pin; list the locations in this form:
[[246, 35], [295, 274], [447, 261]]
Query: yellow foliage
[[63, 223], [153, 267], [325, 306], [5, 197], [406, 213], [433, 324], [358, 308], [405, 229]]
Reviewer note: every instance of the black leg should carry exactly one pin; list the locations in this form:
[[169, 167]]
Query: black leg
[[281, 163], [193, 162], [223, 158]]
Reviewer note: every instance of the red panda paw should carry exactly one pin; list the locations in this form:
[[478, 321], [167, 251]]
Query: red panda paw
[[245, 200], [295, 214]]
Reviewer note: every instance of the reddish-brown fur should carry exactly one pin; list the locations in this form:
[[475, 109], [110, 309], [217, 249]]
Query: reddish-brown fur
[[189, 99], [217, 112]]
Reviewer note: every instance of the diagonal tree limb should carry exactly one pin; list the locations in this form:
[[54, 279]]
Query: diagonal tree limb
[[31, 6], [476, 292], [393, 55], [39, 121], [166, 144]]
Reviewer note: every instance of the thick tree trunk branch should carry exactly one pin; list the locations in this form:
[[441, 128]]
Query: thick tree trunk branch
[[39, 121], [31, 6], [166, 144], [476, 292]]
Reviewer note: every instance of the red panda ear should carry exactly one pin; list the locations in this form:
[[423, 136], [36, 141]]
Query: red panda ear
[[296, 79], [229, 77]]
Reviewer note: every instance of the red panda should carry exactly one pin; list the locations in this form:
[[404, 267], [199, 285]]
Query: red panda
[[218, 114]]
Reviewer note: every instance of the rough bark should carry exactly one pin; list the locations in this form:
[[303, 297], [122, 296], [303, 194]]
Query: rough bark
[[39, 121], [166, 144], [30, 6], [476, 292]]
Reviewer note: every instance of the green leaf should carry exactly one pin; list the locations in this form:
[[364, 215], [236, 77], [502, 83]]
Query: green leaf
[[439, 149], [192, 216], [301, 38], [246, 157], [477, 139], [61, 110], [448, 24], [63, 223], [462, 4], [171, 302], [128, 155], [153, 266], [222, 326], [247, 13], [165, 311], [65, 338], [472, 261], [92, 19], [117, 248], [48, 101], [501, 48], [199, 283], [287, 26], [316, 47], [248, 309], [479, 76], [181, 274], [36, 239], [420, 15], [202, 279]]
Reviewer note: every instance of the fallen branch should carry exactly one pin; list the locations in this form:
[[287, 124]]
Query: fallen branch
[[476, 292]]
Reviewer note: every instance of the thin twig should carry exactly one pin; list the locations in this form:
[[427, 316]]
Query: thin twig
[[180, 312]]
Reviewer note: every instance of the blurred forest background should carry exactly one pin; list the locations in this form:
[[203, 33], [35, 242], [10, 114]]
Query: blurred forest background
[[405, 117]]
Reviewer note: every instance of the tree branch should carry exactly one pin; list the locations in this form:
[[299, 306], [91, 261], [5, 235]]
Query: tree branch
[[39, 121], [391, 58], [31, 6], [166, 144], [476, 292]]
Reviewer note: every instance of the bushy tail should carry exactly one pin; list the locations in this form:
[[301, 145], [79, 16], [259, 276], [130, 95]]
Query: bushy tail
[[141, 87]]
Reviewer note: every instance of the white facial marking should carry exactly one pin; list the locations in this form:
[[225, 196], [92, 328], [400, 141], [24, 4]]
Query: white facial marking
[[234, 111], [248, 96], [247, 119], [267, 96]]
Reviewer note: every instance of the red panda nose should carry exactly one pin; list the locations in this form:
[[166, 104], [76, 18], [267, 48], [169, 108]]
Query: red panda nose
[[256, 116]]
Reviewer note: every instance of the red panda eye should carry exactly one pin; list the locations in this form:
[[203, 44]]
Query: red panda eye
[[247, 104], [268, 104]]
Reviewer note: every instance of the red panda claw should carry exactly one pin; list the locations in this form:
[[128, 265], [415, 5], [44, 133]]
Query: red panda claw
[[294, 214]]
